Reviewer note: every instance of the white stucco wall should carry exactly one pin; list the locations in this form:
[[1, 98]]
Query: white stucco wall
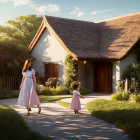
[[116, 75], [48, 49], [120, 66], [85, 74]]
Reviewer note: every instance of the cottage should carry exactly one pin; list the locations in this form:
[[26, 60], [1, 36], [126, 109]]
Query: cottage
[[103, 50]]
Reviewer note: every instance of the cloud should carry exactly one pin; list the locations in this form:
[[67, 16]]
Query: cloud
[[51, 8], [101, 11], [21, 2], [77, 12], [42, 9]]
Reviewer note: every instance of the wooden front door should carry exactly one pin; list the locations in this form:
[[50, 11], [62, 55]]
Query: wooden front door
[[51, 70], [103, 77]]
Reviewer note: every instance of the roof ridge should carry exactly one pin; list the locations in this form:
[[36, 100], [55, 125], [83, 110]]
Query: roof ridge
[[122, 16], [69, 19]]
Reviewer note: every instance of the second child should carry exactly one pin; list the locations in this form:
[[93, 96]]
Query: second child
[[75, 103]]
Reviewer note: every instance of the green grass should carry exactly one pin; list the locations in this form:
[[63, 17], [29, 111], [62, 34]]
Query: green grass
[[123, 114], [50, 98], [12, 126], [64, 104]]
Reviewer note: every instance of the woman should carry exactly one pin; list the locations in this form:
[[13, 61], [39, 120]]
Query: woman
[[28, 96]]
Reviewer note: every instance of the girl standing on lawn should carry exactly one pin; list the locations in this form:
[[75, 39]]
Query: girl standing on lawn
[[28, 96], [75, 103]]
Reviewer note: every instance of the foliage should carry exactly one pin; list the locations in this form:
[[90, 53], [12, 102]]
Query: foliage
[[64, 104], [123, 114], [59, 90], [132, 73], [7, 93], [70, 70], [133, 85], [11, 67], [121, 95], [15, 38], [14, 128], [84, 91], [135, 98], [21, 30]]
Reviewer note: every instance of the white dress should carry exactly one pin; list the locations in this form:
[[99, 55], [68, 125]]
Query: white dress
[[28, 96]]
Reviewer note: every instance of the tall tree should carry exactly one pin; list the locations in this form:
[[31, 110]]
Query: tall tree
[[21, 30], [15, 38]]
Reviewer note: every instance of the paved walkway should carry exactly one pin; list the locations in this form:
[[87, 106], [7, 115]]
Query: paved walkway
[[59, 123]]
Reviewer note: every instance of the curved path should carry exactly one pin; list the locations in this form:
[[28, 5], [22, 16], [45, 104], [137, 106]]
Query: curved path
[[59, 123]]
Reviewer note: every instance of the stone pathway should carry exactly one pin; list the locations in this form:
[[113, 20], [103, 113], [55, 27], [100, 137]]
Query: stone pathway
[[59, 123]]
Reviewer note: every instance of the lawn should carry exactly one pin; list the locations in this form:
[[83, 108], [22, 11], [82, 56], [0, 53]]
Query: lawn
[[64, 104], [12, 126], [51, 98], [123, 114]]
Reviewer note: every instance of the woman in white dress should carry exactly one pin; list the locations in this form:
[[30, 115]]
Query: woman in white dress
[[28, 96]]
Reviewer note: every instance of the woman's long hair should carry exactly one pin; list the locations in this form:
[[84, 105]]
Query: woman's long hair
[[25, 66]]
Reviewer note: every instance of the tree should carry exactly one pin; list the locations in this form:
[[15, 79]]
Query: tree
[[15, 38], [21, 30]]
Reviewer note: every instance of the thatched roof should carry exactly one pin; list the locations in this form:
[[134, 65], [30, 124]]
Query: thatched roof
[[111, 39]]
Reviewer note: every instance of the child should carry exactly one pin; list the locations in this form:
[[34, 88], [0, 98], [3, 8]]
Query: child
[[75, 103]]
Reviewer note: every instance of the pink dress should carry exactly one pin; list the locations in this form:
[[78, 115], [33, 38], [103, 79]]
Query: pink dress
[[75, 103], [28, 96]]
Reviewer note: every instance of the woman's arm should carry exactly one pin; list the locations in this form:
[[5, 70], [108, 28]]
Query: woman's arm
[[34, 79], [22, 81]]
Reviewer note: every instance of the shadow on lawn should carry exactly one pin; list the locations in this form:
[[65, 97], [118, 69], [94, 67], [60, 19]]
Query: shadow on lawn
[[128, 120]]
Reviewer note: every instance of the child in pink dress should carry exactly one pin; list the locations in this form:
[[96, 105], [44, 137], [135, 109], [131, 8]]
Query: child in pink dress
[[75, 103], [28, 96]]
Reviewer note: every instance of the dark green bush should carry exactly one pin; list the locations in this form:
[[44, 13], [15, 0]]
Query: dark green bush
[[84, 91], [132, 73], [7, 93]]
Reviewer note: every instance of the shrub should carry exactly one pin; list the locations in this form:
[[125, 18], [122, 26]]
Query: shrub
[[59, 90], [70, 70], [135, 98], [7, 93], [84, 91], [133, 71], [120, 95]]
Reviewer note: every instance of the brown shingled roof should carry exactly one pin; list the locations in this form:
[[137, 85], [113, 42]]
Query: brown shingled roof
[[110, 39]]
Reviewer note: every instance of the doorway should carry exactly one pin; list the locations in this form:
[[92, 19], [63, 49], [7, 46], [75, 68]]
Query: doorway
[[102, 77]]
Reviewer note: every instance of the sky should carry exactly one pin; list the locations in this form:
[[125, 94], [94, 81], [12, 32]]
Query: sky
[[89, 10]]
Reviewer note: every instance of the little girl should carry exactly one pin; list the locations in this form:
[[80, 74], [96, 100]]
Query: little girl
[[75, 103]]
